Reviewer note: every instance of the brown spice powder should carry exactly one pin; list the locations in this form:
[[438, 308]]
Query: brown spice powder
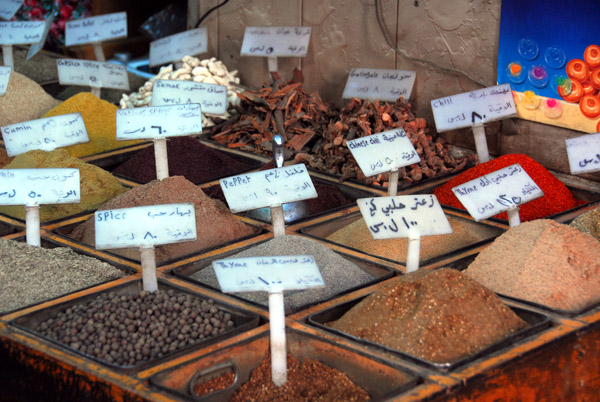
[[588, 223], [440, 316]]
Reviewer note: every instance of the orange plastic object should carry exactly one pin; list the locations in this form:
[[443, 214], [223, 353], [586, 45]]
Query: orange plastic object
[[598, 127], [592, 56], [590, 106], [530, 100], [595, 78], [588, 88], [515, 69], [577, 69], [575, 94]]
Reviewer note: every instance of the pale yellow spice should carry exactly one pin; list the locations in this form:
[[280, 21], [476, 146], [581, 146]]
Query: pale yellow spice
[[100, 118]]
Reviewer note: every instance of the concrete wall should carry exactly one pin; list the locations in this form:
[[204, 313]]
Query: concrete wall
[[452, 45]]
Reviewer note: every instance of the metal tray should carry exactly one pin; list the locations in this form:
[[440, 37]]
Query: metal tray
[[184, 272], [244, 321], [322, 230], [6, 229], [537, 323], [379, 379]]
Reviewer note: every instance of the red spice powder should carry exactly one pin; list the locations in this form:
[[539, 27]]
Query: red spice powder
[[556, 198]]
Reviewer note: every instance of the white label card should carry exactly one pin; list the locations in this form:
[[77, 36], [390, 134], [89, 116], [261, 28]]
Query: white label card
[[476, 107], [268, 274], [174, 47], [145, 226], [93, 74], [584, 153], [404, 216], [4, 78], [96, 29], [36, 47], [8, 8], [276, 41], [158, 121], [383, 152], [21, 32], [211, 97], [497, 192], [376, 83], [268, 188], [39, 186], [46, 134]]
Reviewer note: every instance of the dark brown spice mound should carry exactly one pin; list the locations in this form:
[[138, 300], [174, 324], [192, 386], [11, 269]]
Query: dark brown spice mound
[[307, 381], [440, 316]]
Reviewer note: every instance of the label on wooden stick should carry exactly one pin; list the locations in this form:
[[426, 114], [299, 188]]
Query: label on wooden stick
[[172, 48], [4, 78], [211, 97], [584, 153], [96, 29], [39, 186], [93, 74], [21, 32], [268, 274], [158, 122], [381, 84], [276, 41], [8, 8]]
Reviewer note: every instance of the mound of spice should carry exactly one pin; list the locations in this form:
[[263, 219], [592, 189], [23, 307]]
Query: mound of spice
[[32, 275], [188, 158], [135, 328], [215, 224], [440, 316], [544, 262], [357, 236], [588, 222], [4, 158], [556, 198], [339, 274], [308, 380], [100, 118], [24, 100], [97, 185]]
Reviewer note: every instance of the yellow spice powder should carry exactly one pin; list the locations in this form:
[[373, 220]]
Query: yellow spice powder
[[100, 118]]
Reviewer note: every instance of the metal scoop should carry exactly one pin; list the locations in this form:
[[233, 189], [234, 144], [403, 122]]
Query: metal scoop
[[292, 211]]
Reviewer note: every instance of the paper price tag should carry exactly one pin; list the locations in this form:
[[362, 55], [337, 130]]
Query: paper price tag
[[174, 47], [21, 32], [268, 188], [584, 153], [39, 186], [36, 47], [145, 226], [96, 29], [476, 107], [8, 8], [404, 215], [497, 192], [158, 122], [46, 134], [93, 74], [4, 78], [383, 152], [268, 274], [211, 97], [276, 41], [376, 83]]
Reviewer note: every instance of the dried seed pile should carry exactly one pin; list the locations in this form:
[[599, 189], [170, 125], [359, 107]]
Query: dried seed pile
[[214, 384], [308, 380], [135, 328], [24, 100], [588, 223], [30, 275], [440, 316], [542, 262]]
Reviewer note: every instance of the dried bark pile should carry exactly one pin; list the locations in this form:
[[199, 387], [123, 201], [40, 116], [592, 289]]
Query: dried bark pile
[[316, 134]]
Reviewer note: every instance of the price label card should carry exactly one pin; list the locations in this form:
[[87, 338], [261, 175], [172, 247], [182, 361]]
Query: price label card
[[211, 97], [584, 153], [36, 47], [4, 78], [158, 121], [145, 226], [268, 274], [375, 83], [476, 107], [276, 41], [93, 74], [46, 134], [268, 188], [96, 29], [8, 8], [21, 32], [383, 152], [404, 215], [174, 47], [39, 186], [497, 192]]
